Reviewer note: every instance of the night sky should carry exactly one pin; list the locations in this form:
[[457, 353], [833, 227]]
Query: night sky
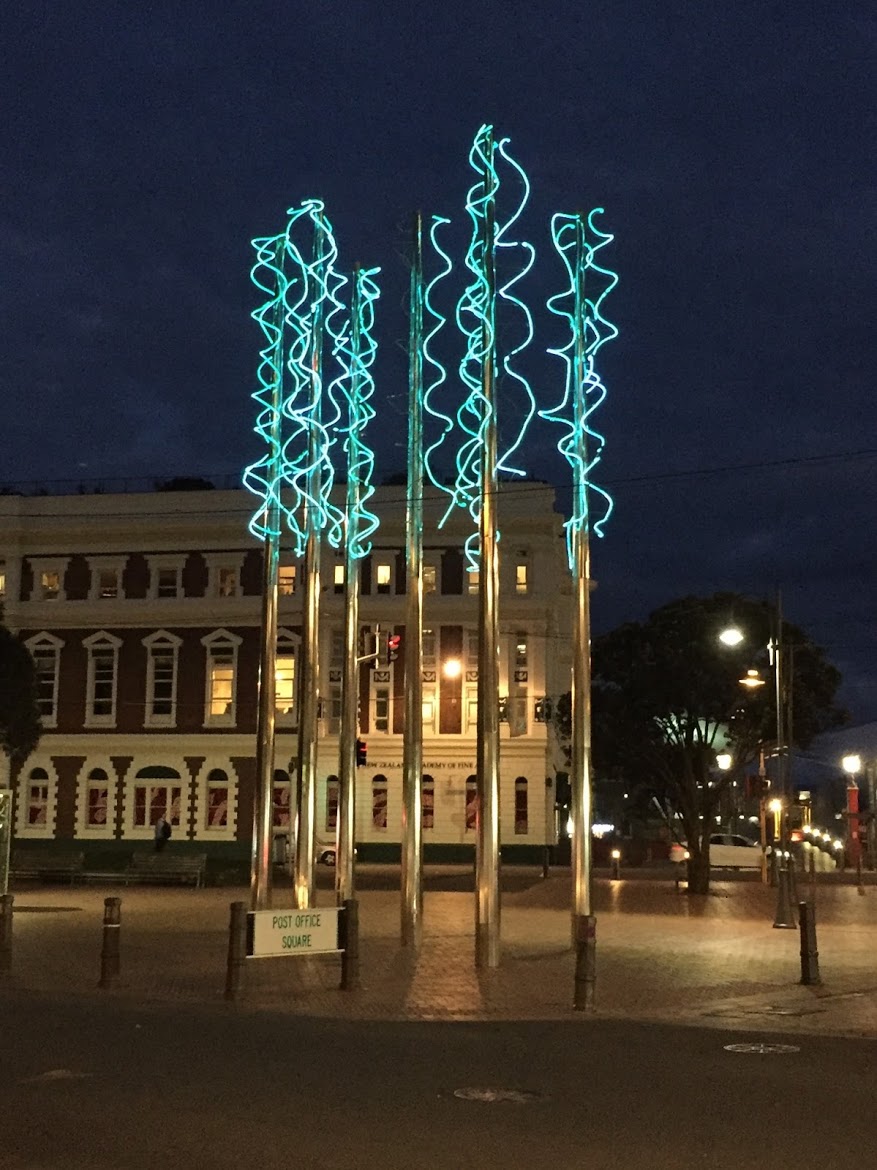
[[731, 145]]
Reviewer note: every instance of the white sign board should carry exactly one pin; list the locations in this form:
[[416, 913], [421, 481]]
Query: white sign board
[[292, 932]]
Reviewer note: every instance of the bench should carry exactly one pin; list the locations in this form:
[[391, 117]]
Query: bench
[[148, 866], [33, 863]]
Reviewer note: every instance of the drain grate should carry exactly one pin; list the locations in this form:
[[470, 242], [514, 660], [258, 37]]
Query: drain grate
[[762, 1049]]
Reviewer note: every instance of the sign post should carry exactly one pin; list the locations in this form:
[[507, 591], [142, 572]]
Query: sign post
[[293, 932], [5, 837]]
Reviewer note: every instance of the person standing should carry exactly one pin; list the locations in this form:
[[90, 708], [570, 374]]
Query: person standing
[[162, 832]]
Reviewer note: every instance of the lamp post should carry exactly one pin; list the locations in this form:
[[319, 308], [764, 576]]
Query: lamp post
[[852, 765]]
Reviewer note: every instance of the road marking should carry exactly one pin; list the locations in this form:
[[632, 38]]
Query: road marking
[[762, 1049], [492, 1096], [56, 1074]]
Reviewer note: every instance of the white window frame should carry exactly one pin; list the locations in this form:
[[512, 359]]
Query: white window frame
[[217, 564], [430, 578], [84, 788], [94, 645], [473, 579], [24, 828], [168, 562], [161, 640], [287, 579], [41, 565], [36, 644], [98, 565], [228, 642], [288, 645], [429, 708], [134, 782]]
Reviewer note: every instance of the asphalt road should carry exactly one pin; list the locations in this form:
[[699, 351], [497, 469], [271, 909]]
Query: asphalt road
[[94, 1085]]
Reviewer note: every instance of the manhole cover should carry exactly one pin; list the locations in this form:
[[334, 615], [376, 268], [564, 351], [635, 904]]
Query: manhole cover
[[762, 1049], [492, 1096]]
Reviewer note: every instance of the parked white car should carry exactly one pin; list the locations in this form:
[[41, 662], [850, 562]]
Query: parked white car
[[727, 851]]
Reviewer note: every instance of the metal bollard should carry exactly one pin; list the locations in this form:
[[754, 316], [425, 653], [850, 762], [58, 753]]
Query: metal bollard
[[784, 918], [809, 953], [110, 952], [586, 962], [6, 901], [237, 950], [350, 945], [859, 883], [546, 860]]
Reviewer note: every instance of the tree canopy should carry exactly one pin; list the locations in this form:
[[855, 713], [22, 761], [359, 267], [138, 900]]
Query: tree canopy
[[20, 727], [666, 698]]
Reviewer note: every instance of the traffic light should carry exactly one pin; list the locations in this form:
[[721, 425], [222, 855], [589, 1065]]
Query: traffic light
[[361, 753], [394, 645]]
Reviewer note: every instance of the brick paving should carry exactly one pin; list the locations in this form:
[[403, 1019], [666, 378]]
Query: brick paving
[[661, 955]]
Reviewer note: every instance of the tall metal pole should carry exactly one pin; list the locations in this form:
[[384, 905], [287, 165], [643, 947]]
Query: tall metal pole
[[583, 923], [344, 874], [309, 672], [487, 861], [260, 868], [412, 743]]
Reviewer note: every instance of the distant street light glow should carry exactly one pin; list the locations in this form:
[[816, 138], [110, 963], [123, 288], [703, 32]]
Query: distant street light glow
[[732, 636]]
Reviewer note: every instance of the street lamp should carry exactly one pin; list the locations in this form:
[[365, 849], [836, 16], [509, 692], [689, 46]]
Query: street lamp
[[852, 765]]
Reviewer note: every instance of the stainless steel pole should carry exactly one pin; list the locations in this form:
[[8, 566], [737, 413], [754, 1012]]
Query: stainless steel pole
[[583, 920], [344, 874], [487, 861], [309, 672], [412, 744]]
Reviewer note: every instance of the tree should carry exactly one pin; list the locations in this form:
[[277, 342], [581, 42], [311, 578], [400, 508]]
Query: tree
[[666, 697], [20, 727]]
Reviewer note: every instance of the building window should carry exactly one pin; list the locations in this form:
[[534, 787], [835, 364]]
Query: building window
[[157, 795], [427, 790], [38, 797], [97, 799], [382, 709], [334, 710], [107, 583], [429, 710], [50, 585], [521, 806], [472, 649], [383, 577], [162, 651], [167, 583], [471, 708], [521, 584], [430, 581], [286, 580], [473, 578], [336, 648], [2, 580], [217, 799], [471, 804], [379, 803], [226, 581], [280, 804], [333, 789], [45, 650], [521, 651], [428, 644], [221, 678], [338, 578], [284, 677], [100, 697]]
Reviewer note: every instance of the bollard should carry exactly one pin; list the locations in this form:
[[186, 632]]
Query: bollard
[[546, 860], [586, 962], [809, 953], [237, 950], [6, 901], [350, 945], [859, 882], [812, 860], [110, 954], [785, 914]]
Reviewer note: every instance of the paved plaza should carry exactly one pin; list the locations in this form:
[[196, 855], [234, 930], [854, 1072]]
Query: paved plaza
[[662, 956]]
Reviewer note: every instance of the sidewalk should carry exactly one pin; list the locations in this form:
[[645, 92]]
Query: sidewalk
[[661, 955]]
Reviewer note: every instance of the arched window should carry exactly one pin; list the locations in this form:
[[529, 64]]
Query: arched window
[[471, 804], [217, 799], [427, 789], [521, 805], [37, 796], [97, 799], [158, 792], [379, 802]]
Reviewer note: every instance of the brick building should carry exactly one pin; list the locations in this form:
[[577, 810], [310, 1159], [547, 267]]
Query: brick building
[[142, 613]]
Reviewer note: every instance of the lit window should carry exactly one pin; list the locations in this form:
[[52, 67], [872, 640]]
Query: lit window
[[100, 698], [428, 802], [217, 799], [2, 580], [473, 578], [284, 680], [221, 677], [429, 578], [227, 581], [520, 578], [428, 708], [471, 708], [471, 804], [50, 585], [379, 802], [97, 799], [338, 578], [286, 580], [161, 679], [45, 650], [382, 578], [521, 805]]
